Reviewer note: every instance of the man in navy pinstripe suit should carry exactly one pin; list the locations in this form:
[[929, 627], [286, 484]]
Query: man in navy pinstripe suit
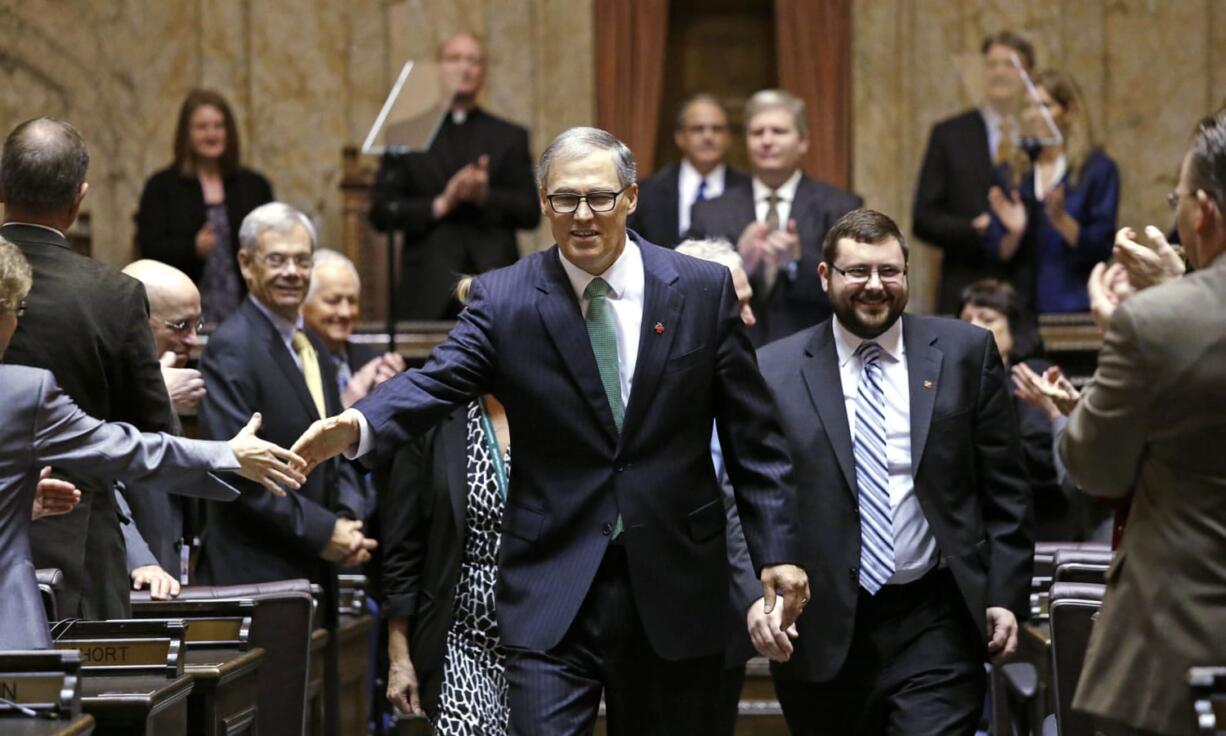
[[612, 357]]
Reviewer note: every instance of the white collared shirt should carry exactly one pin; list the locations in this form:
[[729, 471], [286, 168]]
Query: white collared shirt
[[284, 327], [1061, 169], [785, 193], [627, 286], [915, 549], [688, 180]]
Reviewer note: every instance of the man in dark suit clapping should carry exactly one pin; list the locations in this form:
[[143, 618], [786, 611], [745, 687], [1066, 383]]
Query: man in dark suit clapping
[[460, 202], [778, 222], [612, 357], [89, 325]]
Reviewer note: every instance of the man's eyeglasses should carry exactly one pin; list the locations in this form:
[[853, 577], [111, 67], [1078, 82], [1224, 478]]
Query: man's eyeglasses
[[280, 260], [862, 274], [182, 327], [567, 202]]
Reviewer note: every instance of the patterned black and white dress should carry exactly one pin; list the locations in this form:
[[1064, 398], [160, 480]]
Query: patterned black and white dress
[[473, 700]]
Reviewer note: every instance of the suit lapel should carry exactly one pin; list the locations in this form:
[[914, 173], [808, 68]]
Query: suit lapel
[[923, 372], [825, 385], [454, 437], [661, 304], [280, 355], [806, 209], [559, 310]]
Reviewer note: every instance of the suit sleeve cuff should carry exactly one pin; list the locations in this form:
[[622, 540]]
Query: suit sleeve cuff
[[365, 441], [399, 606]]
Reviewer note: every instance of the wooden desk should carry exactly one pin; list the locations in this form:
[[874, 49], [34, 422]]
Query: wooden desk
[[82, 725], [137, 704], [315, 684], [353, 633], [223, 702]]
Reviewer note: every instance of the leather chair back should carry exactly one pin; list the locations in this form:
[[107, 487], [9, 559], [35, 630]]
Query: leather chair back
[[281, 624], [1074, 606]]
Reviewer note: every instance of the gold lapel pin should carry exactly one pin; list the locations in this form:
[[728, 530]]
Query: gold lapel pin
[[927, 384]]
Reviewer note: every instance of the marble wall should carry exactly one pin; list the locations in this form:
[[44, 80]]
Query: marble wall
[[305, 77], [308, 76], [1149, 69]]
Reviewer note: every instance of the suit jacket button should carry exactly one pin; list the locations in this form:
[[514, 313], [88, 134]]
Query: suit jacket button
[[607, 529], [854, 573]]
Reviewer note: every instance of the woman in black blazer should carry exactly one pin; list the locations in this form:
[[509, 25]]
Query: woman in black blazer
[[441, 514], [190, 212]]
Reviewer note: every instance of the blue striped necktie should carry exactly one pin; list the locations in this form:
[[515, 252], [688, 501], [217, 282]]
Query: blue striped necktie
[[872, 474]]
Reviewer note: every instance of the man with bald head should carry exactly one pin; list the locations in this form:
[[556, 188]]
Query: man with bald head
[[460, 202], [156, 534], [88, 324], [175, 318]]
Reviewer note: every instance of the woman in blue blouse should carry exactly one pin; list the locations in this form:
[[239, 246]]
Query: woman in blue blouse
[[1074, 188]]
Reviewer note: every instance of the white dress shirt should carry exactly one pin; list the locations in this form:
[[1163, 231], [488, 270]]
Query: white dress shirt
[[688, 180], [627, 286], [785, 193], [915, 549]]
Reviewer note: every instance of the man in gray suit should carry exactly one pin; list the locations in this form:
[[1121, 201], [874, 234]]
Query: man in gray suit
[[779, 221], [1151, 424]]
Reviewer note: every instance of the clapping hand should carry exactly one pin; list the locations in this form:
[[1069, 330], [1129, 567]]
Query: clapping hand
[[1147, 265], [1109, 286], [185, 385], [376, 371], [1012, 214], [1051, 392], [782, 246], [265, 463], [752, 245], [53, 496]]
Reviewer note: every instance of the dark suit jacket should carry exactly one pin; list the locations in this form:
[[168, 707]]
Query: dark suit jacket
[[261, 537], [966, 461], [523, 339], [423, 511], [953, 190], [470, 239], [793, 304], [89, 325], [172, 212], [656, 216]]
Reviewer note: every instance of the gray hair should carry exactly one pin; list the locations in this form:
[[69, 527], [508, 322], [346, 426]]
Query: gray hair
[[578, 142], [716, 251], [276, 216], [15, 277], [328, 258], [777, 99], [43, 166], [1208, 158]]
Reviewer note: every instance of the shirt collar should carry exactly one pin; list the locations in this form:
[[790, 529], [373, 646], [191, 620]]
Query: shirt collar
[[847, 343], [35, 224], [786, 192], [618, 276], [284, 327], [688, 171]]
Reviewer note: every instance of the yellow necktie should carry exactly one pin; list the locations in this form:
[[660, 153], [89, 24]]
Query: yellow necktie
[[310, 370]]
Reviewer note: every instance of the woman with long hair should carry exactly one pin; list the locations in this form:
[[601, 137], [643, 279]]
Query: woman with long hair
[[1074, 189], [190, 211]]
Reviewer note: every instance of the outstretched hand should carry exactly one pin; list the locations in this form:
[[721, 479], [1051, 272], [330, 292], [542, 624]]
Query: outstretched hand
[[265, 463], [327, 438], [53, 496]]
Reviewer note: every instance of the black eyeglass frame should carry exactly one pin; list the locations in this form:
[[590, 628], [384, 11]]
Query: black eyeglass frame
[[582, 198], [182, 326], [852, 278]]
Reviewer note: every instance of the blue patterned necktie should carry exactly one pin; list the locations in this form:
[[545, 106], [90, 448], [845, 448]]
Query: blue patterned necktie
[[872, 474], [702, 191], [604, 346]]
